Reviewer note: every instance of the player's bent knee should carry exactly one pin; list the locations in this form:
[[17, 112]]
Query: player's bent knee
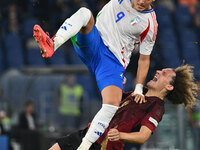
[[86, 13], [114, 102], [88, 22], [112, 95]]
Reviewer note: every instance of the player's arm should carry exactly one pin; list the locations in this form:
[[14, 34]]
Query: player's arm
[[134, 137], [143, 67], [147, 41]]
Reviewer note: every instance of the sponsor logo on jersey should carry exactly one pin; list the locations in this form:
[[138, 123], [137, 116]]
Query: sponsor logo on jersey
[[125, 103], [135, 21]]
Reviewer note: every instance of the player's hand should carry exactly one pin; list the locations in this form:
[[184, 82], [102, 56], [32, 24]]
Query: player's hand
[[113, 135], [139, 98]]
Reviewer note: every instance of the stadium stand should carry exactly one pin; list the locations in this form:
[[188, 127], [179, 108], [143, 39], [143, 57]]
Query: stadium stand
[[14, 51]]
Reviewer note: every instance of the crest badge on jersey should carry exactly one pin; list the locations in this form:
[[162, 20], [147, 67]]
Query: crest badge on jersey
[[135, 21]]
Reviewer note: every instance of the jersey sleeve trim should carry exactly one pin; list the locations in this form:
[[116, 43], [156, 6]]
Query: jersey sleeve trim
[[150, 125], [148, 11], [155, 24], [153, 121]]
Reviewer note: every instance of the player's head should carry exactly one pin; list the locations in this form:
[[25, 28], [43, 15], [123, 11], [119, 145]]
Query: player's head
[[185, 88], [177, 85], [141, 5], [162, 81]]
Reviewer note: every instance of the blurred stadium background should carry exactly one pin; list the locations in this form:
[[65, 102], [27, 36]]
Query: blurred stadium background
[[25, 75]]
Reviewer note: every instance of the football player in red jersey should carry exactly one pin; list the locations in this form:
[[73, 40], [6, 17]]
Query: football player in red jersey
[[135, 122]]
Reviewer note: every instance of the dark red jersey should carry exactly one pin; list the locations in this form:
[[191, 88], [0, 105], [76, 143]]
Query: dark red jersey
[[131, 116]]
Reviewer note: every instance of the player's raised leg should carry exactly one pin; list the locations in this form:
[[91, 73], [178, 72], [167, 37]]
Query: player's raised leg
[[82, 21]]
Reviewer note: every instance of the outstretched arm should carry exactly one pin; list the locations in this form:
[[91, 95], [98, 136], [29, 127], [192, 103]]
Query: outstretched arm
[[134, 137], [143, 67]]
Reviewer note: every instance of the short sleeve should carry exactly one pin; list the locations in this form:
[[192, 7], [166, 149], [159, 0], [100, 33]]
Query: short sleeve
[[146, 47], [153, 118], [148, 37]]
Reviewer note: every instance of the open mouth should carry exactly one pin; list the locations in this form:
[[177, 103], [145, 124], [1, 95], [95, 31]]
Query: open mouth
[[155, 79]]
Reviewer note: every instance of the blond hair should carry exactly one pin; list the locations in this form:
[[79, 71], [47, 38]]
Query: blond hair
[[185, 88]]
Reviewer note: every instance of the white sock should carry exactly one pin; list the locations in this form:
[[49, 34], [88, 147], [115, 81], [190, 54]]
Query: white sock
[[98, 125], [72, 26]]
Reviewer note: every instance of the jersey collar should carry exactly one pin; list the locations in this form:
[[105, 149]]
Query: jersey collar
[[147, 11]]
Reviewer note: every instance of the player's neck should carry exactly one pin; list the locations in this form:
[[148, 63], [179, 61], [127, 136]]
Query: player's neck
[[150, 6], [155, 93]]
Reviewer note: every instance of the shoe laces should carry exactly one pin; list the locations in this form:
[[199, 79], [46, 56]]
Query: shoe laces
[[48, 34]]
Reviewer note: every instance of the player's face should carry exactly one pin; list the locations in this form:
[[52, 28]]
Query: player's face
[[141, 5], [162, 80]]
